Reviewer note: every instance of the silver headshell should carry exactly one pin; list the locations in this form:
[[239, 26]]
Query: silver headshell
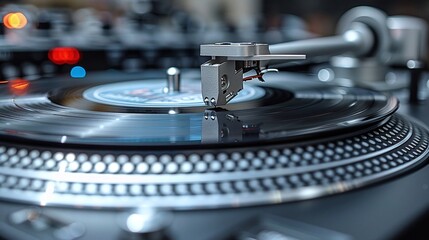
[[222, 76]]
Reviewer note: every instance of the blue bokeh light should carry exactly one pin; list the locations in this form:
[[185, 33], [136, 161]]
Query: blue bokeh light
[[78, 72]]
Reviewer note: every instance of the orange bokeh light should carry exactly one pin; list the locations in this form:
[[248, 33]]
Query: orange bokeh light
[[64, 55], [19, 86], [15, 20]]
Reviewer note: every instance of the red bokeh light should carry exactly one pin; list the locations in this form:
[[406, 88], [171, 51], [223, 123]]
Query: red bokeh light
[[19, 86], [64, 55]]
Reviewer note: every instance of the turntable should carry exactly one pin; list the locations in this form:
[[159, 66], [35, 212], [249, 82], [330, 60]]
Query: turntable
[[200, 155]]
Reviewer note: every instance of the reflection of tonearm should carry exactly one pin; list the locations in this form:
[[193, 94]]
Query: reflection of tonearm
[[365, 35], [222, 126]]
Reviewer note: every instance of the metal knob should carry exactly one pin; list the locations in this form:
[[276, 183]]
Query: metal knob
[[173, 80], [146, 224]]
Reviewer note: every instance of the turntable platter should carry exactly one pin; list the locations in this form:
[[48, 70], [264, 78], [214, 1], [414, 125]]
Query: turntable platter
[[281, 142]]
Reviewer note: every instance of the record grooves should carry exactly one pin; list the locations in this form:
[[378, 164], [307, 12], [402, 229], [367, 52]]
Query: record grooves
[[276, 114]]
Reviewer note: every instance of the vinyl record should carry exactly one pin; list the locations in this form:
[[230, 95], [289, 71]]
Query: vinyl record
[[139, 113]]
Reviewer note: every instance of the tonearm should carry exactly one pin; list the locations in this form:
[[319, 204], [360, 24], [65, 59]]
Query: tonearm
[[364, 33]]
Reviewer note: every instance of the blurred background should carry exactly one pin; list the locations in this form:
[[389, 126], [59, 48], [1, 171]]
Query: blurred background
[[317, 16], [167, 30]]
